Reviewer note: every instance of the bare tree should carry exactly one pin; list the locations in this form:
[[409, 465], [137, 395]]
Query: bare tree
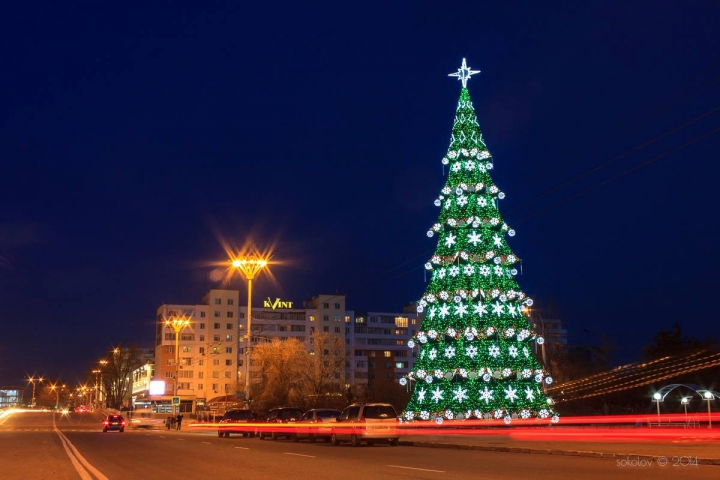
[[281, 363], [117, 374], [323, 375]]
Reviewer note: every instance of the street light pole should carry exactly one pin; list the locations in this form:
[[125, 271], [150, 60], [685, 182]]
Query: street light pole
[[684, 402], [249, 266], [33, 380], [709, 396], [657, 398], [177, 324], [101, 397]]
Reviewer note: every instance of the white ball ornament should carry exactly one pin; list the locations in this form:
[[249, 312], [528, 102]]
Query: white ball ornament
[[403, 381], [511, 232], [445, 161], [438, 202], [410, 344]]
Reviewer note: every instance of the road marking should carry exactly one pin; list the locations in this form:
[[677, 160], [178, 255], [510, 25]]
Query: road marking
[[162, 436], [77, 459], [242, 448], [207, 443], [300, 455], [181, 439], [413, 468]]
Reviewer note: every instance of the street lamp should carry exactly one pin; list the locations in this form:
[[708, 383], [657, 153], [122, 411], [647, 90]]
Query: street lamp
[[101, 397], [657, 398], [33, 380], [684, 402], [97, 400], [249, 266], [177, 324], [709, 396], [57, 389]]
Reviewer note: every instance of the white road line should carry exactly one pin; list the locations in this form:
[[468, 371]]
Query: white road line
[[75, 457], [300, 455], [413, 468], [181, 439], [242, 448], [207, 443]]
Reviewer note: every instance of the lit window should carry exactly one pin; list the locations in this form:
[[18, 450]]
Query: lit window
[[228, 338], [387, 353]]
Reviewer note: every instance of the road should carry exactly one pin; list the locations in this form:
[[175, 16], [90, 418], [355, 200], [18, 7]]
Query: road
[[36, 445]]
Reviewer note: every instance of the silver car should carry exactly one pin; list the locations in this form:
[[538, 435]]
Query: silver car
[[368, 422]]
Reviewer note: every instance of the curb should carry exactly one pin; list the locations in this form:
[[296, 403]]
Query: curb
[[544, 451]]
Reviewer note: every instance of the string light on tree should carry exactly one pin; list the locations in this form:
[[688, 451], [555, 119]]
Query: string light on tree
[[475, 342]]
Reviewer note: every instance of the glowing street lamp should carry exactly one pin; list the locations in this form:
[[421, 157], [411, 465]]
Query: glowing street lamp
[[657, 397], [709, 396], [57, 389], [249, 266], [177, 324], [33, 380], [684, 402]]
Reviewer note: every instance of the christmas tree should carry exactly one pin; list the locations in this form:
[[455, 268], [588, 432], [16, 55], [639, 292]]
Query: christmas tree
[[475, 357]]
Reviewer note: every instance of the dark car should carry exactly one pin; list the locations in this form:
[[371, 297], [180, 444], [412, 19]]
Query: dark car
[[316, 423], [272, 423], [236, 421], [114, 422], [369, 422]]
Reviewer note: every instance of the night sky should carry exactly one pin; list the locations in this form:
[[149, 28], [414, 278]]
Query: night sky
[[136, 138]]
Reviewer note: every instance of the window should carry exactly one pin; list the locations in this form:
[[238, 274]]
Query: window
[[228, 326], [230, 301], [216, 326], [186, 374], [228, 362], [326, 329], [201, 362], [216, 361], [337, 329], [387, 353], [372, 353], [200, 386], [170, 362], [168, 374], [228, 338], [202, 338], [326, 318], [229, 314], [228, 349], [201, 374], [337, 318], [216, 338], [216, 374], [326, 305], [400, 364], [187, 338], [202, 350], [169, 336], [347, 319], [218, 301], [413, 321], [312, 330], [186, 361], [227, 374], [401, 322], [202, 315], [202, 325], [216, 314], [214, 387], [312, 318], [388, 365], [337, 306], [297, 328]]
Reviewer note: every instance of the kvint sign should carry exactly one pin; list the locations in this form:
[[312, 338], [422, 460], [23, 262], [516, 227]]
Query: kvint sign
[[277, 303]]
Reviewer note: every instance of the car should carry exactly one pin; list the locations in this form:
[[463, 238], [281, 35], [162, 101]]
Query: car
[[114, 422], [235, 421], [146, 419], [271, 422], [368, 422], [315, 424]]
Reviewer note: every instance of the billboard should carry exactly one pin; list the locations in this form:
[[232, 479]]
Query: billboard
[[157, 387]]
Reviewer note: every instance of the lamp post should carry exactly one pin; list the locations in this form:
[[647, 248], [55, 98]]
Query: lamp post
[[684, 402], [249, 266], [656, 398], [101, 397], [57, 389], [177, 324], [709, 396], [97, 399], [33, 380]]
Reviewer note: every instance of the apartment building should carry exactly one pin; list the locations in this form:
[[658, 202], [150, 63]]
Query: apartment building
[[206, 368]]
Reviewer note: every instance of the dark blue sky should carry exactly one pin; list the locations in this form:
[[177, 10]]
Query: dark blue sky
[[133, 136]]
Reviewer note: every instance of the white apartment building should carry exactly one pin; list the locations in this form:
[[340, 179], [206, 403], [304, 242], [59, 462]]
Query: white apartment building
[[207, 352]]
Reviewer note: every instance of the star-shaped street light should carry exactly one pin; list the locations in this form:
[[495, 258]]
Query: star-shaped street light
[[464, 73]]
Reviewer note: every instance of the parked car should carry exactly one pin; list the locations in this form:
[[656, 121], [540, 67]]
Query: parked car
[[316, 423], [235, 421], [114, 422], [271, 423], [368, 422]]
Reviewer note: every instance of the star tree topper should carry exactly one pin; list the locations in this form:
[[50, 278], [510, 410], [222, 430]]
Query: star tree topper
[[464, 73]]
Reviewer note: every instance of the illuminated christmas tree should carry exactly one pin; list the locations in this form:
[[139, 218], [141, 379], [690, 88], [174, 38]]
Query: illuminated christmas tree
[[475, 357]]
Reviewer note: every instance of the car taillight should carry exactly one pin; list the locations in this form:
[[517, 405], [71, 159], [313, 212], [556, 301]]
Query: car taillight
[[105, 422], [361, 419], [319, 420], [123, 423]]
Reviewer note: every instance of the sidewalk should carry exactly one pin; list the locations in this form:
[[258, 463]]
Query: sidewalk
[[675, 451]]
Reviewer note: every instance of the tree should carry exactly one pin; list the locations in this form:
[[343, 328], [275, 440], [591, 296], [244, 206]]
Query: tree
[[671, 342], [324, 372], [117, 374], [475, 344], [281, 363]]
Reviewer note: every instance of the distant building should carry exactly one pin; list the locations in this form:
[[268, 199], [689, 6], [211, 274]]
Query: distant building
[[11, 396]]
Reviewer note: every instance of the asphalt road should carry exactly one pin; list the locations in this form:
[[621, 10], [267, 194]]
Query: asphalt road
[[32, 448]]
